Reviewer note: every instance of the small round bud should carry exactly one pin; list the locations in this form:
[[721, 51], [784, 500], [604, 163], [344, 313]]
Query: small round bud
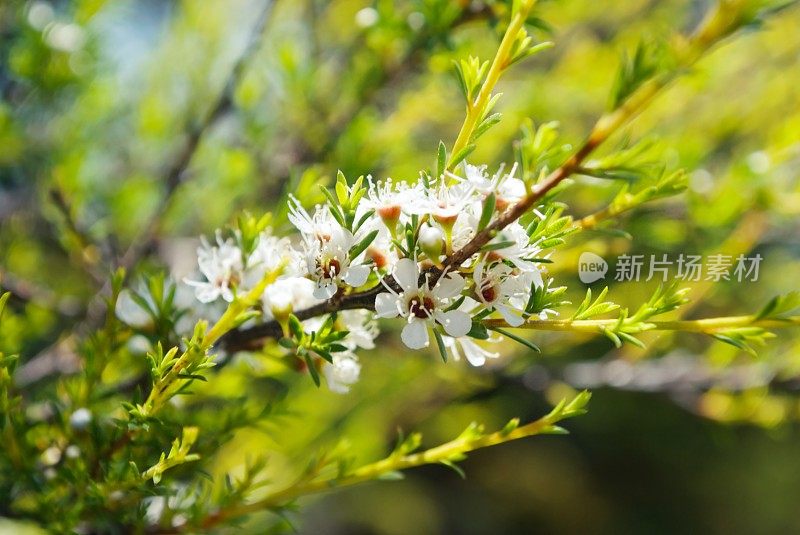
[[431, 240]]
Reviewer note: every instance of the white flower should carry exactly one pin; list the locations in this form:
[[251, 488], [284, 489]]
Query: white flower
[[327, 248], [390, 199], [518, 251], [445, 203], [475, 354], [329, 264], [360, 324], [422, 305], [288, 295], [466, 225], [362, 329], [80, 419], [495, 285], [342, 373], [506, 187], [131, 312], [268, 255], [317, 226], [222, 267]]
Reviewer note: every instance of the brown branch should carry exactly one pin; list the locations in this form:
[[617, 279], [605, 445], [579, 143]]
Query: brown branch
[[716, 26]]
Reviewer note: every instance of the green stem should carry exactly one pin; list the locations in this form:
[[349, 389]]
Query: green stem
[[444, 453], [499, 63], [163, 389], [706, 325]]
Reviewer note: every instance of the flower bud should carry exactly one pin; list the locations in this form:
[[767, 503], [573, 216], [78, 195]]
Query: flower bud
[[431, 240]]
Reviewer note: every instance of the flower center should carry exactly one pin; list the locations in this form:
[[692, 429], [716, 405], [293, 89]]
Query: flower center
[[421, 307], [331, 268], [489, 293]]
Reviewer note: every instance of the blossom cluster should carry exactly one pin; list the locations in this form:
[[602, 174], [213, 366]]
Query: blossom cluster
[[390, 239]]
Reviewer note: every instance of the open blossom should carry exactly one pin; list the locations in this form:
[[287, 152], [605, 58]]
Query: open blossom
[[519, 250], [389, 200], [422, 305], [445, 202], [222, 266], [287, 295], [269, 254], [342, 373], [316, 226], [333, 262], [495, 285], [506, 187], [327, 252]]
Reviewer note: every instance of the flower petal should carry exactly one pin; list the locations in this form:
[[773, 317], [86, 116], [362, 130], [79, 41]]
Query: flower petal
[[455, 322], [386, 305], [406, 274], [476, 355], [355, 276], [449, 286], [511, 318], [325, 290], [415, 334]]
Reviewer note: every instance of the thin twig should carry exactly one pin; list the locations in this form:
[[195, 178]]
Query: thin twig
[[707, 34]]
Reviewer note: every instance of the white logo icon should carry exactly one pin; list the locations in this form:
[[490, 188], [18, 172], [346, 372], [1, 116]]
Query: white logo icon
[[591, 267]]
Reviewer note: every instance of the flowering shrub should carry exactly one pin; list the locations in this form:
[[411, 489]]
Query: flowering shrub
[[456, 258]]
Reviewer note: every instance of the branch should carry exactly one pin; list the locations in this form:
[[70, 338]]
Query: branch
[[448, 453], [718, 24], [705, 325]]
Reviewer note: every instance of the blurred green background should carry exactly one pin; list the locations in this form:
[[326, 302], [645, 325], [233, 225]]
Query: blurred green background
[[107, 106]]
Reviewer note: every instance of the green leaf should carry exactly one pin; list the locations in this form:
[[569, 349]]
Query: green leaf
[[296, 328], [361, 246], [312, 368], [441, 159], [440, 345], [645, 63], [487, 211], [460, 155], [779, 306], [394, 475], [589, 309], [453, 466], [518, 339], [478, 331], [494, 246]]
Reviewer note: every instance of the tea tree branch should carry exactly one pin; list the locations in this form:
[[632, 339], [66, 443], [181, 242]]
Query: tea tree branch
[[720, 23], [471, 439]]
